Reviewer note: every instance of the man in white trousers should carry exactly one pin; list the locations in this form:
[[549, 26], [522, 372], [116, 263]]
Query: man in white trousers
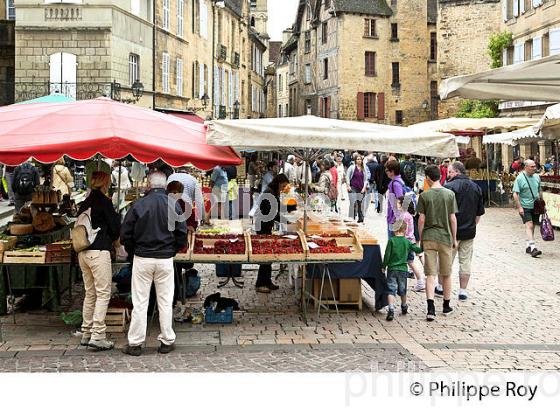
[[154, 237]]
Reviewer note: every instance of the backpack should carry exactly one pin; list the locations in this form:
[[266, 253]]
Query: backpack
[[408, 193], [408, 173], [25, 183], [333, 191], [83, 234]]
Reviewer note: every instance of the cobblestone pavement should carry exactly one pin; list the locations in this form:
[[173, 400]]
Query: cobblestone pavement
[[510, 322]]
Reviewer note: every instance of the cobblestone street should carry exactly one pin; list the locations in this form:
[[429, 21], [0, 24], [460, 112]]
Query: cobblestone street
[[508, 323]]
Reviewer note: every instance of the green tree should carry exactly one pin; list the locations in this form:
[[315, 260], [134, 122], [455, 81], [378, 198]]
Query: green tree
[[497, 43]]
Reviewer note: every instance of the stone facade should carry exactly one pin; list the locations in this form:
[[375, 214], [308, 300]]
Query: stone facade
[[7, 56], [464, 27], [330, 62], [282, 100], [91, 45]]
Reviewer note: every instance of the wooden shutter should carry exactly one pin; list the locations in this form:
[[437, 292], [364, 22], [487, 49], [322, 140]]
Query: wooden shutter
[[381, 106], [328, 104], [360, 101], [366, 27]]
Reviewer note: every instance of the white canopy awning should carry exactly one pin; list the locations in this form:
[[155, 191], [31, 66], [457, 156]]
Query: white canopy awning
[[549, 125], [476, 124], [536, 80], [313, 132], [512, 138]]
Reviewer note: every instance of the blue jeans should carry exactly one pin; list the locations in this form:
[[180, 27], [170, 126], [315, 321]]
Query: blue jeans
[[396, 282]]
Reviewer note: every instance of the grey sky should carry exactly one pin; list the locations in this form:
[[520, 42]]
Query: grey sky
[[281, 15]]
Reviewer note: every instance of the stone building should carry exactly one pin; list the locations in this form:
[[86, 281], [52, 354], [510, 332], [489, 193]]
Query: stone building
[[83, 50], [256, 95], [464, 29], [364, 60], [282, 94], [183, 58], [535, 25], [7, 51], [271, 79]]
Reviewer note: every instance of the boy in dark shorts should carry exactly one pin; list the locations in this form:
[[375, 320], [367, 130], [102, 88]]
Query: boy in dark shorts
[[396, 262]]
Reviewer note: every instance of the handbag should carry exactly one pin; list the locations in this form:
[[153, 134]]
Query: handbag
[[547, 230], [539, 204]]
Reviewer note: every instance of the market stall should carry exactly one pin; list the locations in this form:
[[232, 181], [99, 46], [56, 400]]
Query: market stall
[[307, 137], [30, 257]]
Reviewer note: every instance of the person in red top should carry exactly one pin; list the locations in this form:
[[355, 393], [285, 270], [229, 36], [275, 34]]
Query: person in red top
[[334, 181], [443, 170]]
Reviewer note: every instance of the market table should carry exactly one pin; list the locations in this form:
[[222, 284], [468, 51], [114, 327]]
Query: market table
[[50, 277]]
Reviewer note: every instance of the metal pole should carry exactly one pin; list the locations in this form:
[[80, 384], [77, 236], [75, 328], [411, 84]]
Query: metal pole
[[119, 190], [488, 172]]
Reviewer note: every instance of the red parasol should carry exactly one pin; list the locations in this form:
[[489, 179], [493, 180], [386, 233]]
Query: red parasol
[[82, 129]]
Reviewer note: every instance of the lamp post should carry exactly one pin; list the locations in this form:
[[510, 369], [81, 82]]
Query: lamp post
[[137, 90], [236, 106]]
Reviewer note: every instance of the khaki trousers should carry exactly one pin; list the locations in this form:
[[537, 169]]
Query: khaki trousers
[[465, 252], [97, 274], [144, 272]]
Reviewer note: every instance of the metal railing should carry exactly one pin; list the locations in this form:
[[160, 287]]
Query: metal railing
[[14, 92]]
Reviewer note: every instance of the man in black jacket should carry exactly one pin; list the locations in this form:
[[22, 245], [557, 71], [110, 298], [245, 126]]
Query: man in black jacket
[[26, 179], [470, 203], [154, 236]]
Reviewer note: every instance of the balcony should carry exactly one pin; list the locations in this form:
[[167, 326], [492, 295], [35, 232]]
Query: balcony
[[63, 13], [222, 54], [11, 92]]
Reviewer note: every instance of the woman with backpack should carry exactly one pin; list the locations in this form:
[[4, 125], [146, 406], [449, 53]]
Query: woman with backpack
[[357, 183], [95, 262]]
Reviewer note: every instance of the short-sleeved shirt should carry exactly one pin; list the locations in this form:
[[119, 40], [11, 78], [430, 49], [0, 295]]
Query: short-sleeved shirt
[[219, 177], [521, 186], [437, 204]]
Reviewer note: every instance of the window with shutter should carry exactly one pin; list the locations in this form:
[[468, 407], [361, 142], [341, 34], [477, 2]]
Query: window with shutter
[[505, 10], [518, 53], [180, 12], [399, 117], [396, 78], [165, 22], [203, 19], [370, 64], [324, 32], [216, 96], [554, 42], [133, 68], [223, 100], [230, 90], [369, 105], [179, 75], [369, 28], [201, 81], [165, 73], [360, 107], [307, 74], [515, 8], [537, 48], [433, 46], [381, 106], [325, 69]]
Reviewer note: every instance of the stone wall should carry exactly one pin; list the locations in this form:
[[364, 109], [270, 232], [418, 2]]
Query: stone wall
[[464, 27], [7, 62]]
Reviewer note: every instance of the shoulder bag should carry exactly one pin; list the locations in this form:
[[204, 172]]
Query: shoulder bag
[[539, 204]]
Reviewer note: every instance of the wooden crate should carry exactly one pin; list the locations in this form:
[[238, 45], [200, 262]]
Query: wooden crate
[[8, 244], [58, 257], [116, 320], [277, 257], [24, 257], [349, 239], [60, 247], [208, 241], [348, 292]]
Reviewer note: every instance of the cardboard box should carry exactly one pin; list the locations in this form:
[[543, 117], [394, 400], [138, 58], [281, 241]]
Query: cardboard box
[[350, 290], [327, 291]]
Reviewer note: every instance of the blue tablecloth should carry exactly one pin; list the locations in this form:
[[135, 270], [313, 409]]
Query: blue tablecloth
[[368, 269]]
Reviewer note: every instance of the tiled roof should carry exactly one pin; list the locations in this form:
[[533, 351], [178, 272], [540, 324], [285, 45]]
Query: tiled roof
[[236, 6], [274, 51], [370, 7]]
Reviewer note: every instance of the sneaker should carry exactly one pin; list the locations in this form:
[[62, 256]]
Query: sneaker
[[535, 252], [447, 311], [431, 315], [410, 275], [439, 293], [263, 289], [85, 340], [101, 344], [390, 315], [272, 286], [404, 309], [164, 349], [528, 250], [463, 296], [132, 350], [419, 287]]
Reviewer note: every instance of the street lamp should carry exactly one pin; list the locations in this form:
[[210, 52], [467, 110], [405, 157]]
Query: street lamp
[[205, 100], [137, 89], [236, 106]]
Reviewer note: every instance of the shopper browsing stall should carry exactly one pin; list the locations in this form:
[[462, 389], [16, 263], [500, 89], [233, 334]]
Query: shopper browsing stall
[[95, 262], [145, 234]]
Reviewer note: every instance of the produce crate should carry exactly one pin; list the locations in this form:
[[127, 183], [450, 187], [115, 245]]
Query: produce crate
[[350, 247], [184, 255], [24, 257], [348, 293], [8, 243], [211, 316], [116, 320], [59, 252], [278, 249], [229, 244]]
